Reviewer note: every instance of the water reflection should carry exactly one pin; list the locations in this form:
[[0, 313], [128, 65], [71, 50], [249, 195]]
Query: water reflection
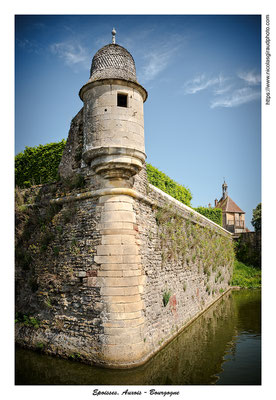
[[222, 346]]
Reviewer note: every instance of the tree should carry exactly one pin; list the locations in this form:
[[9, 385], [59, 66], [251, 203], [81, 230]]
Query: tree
[[257, 218]]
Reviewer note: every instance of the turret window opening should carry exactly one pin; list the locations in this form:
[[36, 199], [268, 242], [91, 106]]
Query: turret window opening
[[121, 100]]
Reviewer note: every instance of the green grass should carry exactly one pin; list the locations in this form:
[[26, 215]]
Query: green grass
[[166, 297], [245, 276]]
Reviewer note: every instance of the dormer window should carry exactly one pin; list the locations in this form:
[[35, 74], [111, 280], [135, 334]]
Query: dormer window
[[121, 100]]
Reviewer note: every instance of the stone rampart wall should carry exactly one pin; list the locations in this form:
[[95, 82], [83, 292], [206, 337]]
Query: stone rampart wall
[[108, 292], [191, 271], [56, 276]]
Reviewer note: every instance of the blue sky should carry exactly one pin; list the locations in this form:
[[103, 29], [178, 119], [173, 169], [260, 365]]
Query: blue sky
[[203, 77]]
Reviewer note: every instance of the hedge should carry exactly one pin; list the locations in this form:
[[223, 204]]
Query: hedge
[[214, 214], [38, 164], [165, 183]]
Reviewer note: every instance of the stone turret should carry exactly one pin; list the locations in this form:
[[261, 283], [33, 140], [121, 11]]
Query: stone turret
[[113, 121], [114, 152]]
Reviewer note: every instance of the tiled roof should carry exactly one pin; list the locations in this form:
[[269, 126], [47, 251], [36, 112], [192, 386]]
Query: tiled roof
[[113, 62], [228, 205]]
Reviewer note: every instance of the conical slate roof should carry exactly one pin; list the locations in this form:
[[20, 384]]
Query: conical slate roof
[[113, 62]]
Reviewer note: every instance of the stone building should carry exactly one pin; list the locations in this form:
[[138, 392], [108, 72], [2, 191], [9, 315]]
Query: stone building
[[115, 269], [233, 218]]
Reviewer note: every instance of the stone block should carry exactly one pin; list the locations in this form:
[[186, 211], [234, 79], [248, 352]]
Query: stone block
[[131, 323], [142, 280], [121, 339], [118, 206], [119, 239], [124, 331], [122, 298], [110, 249], [124, 308], [115, 225], [120, 216], [92, 272], [92, 281], [118, 231], [124, 315], [112, 239], [116, 198], [111, 267], [106, 100], [131, 307], [131, 259], [110, 273], [123, 353], [98, 306], [124, 281], [114, 291], [128, 239], [131, 290], [141, 289], [136, 272], [109, 259], [130, 249], [118, 259], [114, 308]]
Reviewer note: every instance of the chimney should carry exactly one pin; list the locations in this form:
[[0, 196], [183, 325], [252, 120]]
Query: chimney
[[216, 202]]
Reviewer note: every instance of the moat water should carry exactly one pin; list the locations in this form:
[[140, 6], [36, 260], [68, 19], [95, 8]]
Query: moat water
[[222, 347]]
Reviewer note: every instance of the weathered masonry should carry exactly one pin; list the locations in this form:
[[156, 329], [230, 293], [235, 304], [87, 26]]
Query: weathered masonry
[[109, 268]]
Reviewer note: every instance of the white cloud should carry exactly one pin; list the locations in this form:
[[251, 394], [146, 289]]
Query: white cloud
[[160, 56], [72, 53], [156, 62], [28, 45], [222, 90], [237, 97], [225, 93], [201, 83], [250, 77]]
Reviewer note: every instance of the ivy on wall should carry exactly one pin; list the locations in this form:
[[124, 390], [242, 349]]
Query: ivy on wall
[[165, 183], [214, 214], [192, 244], [38, 164]]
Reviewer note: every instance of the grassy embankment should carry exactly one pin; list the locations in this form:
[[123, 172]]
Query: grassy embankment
[[245, 276]]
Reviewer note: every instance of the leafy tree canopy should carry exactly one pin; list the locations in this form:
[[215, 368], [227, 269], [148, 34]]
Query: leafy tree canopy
[[257, 217]]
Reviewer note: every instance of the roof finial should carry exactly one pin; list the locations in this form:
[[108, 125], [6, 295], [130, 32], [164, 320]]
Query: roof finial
[[224, 189], [113, 35]]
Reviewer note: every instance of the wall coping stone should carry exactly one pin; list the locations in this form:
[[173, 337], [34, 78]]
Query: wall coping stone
[[187, 208], [103, 192], [136, 195]]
